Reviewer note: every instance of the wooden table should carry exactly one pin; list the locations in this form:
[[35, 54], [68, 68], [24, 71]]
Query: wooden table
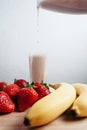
[[14, 121]]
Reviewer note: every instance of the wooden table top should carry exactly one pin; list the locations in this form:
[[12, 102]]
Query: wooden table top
[[14, 121]]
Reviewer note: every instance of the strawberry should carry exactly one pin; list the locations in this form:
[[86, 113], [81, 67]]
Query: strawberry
[[6, 104], [41, 89], [2, 85], [26, 98], [12, 90], [21, 83]]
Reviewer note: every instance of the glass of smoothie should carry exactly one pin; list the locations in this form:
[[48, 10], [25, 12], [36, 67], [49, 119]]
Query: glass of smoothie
[[38, 67]]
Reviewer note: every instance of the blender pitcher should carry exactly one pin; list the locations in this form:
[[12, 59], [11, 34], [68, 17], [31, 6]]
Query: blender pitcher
[[65, 6]]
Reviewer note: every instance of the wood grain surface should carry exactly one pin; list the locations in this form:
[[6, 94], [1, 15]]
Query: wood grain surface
[[14, 121]]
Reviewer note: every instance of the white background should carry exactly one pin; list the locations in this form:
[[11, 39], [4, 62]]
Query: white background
[[62, 37]]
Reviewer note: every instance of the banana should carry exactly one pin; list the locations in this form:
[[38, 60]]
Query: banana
[[51, 106], [80, 104]]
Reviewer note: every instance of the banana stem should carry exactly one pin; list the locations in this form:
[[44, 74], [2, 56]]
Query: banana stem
[[55, 86]]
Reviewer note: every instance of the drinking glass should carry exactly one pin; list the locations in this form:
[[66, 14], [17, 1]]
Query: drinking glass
[[38, 67]]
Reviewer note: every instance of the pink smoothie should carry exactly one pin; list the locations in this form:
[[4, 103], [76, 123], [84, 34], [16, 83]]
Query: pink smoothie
[[38, 68]]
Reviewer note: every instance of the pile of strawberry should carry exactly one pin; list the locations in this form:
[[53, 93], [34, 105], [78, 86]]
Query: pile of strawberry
[[20, 95]]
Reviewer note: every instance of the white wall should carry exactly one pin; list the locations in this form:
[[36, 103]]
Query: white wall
[[63, 37]]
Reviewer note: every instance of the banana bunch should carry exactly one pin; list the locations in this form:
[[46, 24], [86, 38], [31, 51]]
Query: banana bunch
[[50, 107], [80, 104]]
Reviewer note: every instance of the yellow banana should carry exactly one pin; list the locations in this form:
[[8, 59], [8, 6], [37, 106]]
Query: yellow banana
[[50, 107], [80, 104]]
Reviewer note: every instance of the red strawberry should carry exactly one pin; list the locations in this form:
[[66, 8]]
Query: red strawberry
[[6, 104], [2, 85], [12, 90], [41, 90], [21, 83], [26, 97]]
